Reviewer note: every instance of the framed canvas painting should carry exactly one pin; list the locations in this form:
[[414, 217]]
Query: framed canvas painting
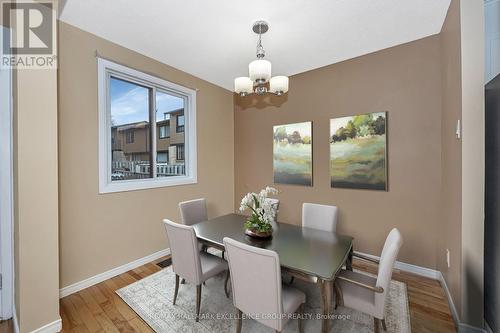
[[292, 154], [358, 151]]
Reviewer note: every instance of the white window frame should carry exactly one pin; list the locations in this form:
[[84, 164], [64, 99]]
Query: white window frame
[[107, 68]]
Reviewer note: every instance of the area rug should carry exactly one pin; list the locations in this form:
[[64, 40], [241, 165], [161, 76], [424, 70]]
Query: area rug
[[151, 298]]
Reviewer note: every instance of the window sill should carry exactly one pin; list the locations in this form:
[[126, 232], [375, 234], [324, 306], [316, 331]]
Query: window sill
[[144, 184]]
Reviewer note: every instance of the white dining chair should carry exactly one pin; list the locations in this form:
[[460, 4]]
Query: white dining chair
[[257, 288], [193, 211], [189, 263], [322, 217], [365, 293]]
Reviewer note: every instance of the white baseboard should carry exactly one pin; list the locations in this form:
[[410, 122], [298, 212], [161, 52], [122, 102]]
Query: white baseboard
[[418, 270], [15, 322], [462, 327], [76, 287], [53, 327], [453, 309]]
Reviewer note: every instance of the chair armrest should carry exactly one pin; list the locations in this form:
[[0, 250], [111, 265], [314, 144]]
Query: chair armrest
[[363, 257], [360, 284]]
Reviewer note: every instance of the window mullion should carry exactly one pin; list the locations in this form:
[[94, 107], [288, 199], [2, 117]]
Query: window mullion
[[152, 117]]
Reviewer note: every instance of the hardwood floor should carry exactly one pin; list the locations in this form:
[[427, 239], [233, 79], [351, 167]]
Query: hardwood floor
[[99, 309], [6, 326]]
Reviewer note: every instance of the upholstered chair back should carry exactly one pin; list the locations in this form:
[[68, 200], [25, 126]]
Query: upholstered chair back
[[193, 211], [185, 251], [322, 217], [388, 257], [256, 282]]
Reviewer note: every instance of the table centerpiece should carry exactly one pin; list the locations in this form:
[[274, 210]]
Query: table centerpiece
[[258, 224]]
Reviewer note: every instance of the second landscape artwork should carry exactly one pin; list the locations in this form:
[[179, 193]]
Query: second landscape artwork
[[358, 154], [292, 147]]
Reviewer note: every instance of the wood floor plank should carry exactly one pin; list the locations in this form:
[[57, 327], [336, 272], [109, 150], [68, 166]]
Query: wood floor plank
[[140, 326], [106, 323], [72, 313], [66, 322], [108, 288], [85, 314], [134, 275], [97, 294], [6, 326], [91, 302], [129, 279]]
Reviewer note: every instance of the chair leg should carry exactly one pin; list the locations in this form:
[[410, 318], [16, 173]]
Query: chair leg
[[384, 326], [225, 284], [198, 301], [239, 318], [176, 287], [376, 325], [301, 318]]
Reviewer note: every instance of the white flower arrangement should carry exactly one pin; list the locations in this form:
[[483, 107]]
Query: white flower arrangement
[[263, 212]]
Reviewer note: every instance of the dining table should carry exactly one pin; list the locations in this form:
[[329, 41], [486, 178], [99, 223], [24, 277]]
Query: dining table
[[312, 255]]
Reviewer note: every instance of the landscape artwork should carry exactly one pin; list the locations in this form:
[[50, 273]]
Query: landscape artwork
[[358, 151], [292, 148]]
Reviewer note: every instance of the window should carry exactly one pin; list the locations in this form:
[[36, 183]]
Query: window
[[162, 157], [165, 131], [180, 123], [130, 136], [135, 112], [179, 152]]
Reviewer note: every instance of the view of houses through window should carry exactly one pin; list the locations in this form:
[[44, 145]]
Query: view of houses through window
[[132, 136]]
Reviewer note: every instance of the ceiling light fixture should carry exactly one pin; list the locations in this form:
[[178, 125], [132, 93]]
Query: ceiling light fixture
[[259, 72]]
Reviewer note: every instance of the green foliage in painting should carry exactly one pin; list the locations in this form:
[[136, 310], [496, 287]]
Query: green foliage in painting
[[360, 126], [358, 152], [280, 133]]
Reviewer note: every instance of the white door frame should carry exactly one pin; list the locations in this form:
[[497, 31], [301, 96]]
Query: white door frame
[[6, 194]]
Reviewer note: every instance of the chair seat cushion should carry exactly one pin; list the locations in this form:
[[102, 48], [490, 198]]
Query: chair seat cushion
[[357, 297], [292, 298], [211, 265]]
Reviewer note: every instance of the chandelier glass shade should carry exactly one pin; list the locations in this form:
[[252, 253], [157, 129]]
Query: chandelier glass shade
[[259, 72]]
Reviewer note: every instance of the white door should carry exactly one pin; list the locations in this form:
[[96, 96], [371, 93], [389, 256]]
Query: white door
[[6, 184]]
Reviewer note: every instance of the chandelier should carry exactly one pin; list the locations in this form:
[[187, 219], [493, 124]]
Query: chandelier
[[259, 72]]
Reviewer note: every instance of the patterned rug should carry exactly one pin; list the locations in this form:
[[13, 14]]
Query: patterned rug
[[151, 298]]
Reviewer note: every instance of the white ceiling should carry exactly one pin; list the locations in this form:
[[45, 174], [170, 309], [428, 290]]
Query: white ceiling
[[213, 39]]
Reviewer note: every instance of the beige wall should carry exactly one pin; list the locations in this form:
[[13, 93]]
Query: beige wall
[[403, 80], [36, 198], [100, 232], [472, 45], [450, 228]]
